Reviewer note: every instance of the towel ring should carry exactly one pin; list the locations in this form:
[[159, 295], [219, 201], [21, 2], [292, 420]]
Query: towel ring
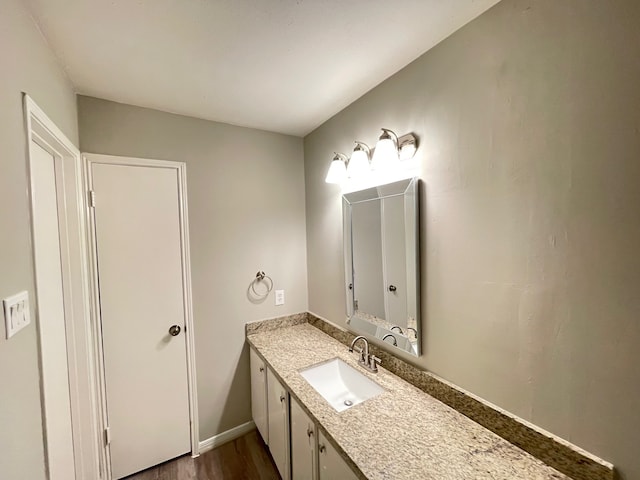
[[262, 277]]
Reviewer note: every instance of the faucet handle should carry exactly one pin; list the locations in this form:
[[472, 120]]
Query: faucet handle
[[374, 362]]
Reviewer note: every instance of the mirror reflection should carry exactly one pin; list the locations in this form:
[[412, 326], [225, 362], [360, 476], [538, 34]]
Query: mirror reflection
[[381, 263]]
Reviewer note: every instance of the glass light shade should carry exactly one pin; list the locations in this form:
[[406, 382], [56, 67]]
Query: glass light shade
[[337, 171], [385, 156], [359, 164], [407, 150]]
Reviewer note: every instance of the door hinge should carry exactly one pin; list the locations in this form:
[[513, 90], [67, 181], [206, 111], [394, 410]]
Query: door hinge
[[92, 198], [107, 435]]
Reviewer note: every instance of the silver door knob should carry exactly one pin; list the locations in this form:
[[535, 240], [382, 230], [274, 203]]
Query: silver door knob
[[174, 330]]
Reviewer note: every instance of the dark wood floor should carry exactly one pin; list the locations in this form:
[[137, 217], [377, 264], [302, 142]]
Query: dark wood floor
[[245, 458]]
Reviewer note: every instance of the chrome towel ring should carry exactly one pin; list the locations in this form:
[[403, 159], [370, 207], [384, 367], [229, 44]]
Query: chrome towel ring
[[262, 277]]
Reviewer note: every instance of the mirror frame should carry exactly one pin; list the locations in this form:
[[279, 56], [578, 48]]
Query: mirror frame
[[409, 189]]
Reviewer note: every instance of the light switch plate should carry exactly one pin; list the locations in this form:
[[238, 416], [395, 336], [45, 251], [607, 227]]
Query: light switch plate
[[16, 313], [279, 297]]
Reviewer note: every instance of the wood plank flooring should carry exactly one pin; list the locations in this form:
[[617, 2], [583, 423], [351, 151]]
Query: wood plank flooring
[[245, 458]]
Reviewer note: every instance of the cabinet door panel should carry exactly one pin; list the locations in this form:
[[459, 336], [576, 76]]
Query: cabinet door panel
[[303, 444], [259, 394], [331, 464], [278, 406]]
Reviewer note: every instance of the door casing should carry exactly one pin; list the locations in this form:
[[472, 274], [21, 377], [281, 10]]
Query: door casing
[[70, 199]]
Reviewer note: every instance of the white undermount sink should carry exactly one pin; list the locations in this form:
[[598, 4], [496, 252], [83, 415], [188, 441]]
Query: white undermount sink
[[340, 384]]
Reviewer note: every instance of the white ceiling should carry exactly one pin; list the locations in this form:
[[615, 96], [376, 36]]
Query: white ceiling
[[279, 65]]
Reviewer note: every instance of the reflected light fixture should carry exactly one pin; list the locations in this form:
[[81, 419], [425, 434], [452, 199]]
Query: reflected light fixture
[[338, 169], [359, 162], [385, 155]]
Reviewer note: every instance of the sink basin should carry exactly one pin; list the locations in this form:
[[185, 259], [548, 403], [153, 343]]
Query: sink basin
[[340, 384]]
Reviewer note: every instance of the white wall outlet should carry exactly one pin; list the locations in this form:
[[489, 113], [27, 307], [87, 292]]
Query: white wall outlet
[[279, 297], [16, 313]]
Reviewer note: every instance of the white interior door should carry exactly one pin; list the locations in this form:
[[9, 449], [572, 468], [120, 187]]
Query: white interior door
[[51, 315], [142, 295]]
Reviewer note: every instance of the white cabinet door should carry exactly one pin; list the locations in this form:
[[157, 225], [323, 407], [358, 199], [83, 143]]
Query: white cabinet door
[[332, 466], [259, 394], [303, 444], [278, 406]]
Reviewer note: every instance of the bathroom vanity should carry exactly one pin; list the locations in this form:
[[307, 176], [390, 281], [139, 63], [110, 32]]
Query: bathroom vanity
[[401, 433], [298, 448]]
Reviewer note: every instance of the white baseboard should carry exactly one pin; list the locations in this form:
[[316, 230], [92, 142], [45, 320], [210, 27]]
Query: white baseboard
[[224, 437]]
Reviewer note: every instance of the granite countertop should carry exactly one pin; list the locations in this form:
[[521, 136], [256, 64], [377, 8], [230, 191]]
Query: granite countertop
[[403, 433]]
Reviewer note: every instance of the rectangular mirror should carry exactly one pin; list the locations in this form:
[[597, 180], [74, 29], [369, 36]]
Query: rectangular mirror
[[382, 269]]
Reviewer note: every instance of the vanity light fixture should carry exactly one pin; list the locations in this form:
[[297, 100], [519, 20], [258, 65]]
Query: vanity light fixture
[[407, 144], [390, 161], [359, 163], [385, 155], [338, 169]]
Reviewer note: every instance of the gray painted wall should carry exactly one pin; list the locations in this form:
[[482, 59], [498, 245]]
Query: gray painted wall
[[529, 123], [27, 65], [246, 213]]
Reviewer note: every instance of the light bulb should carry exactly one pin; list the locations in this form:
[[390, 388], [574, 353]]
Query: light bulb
[[359, 163], [337, 171], [385, 156]]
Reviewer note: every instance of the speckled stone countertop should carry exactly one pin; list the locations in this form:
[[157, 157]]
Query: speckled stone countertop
[[401, 434]]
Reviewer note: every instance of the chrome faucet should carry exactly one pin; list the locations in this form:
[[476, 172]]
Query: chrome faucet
[[370, 362], [364, 352]]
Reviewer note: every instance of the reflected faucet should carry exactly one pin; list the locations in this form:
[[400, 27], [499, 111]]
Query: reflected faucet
[[395, 326], [415, 332], [395, 341]]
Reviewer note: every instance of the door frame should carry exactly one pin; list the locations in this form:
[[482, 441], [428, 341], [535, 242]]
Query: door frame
[[180, 168], [76, 295]]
